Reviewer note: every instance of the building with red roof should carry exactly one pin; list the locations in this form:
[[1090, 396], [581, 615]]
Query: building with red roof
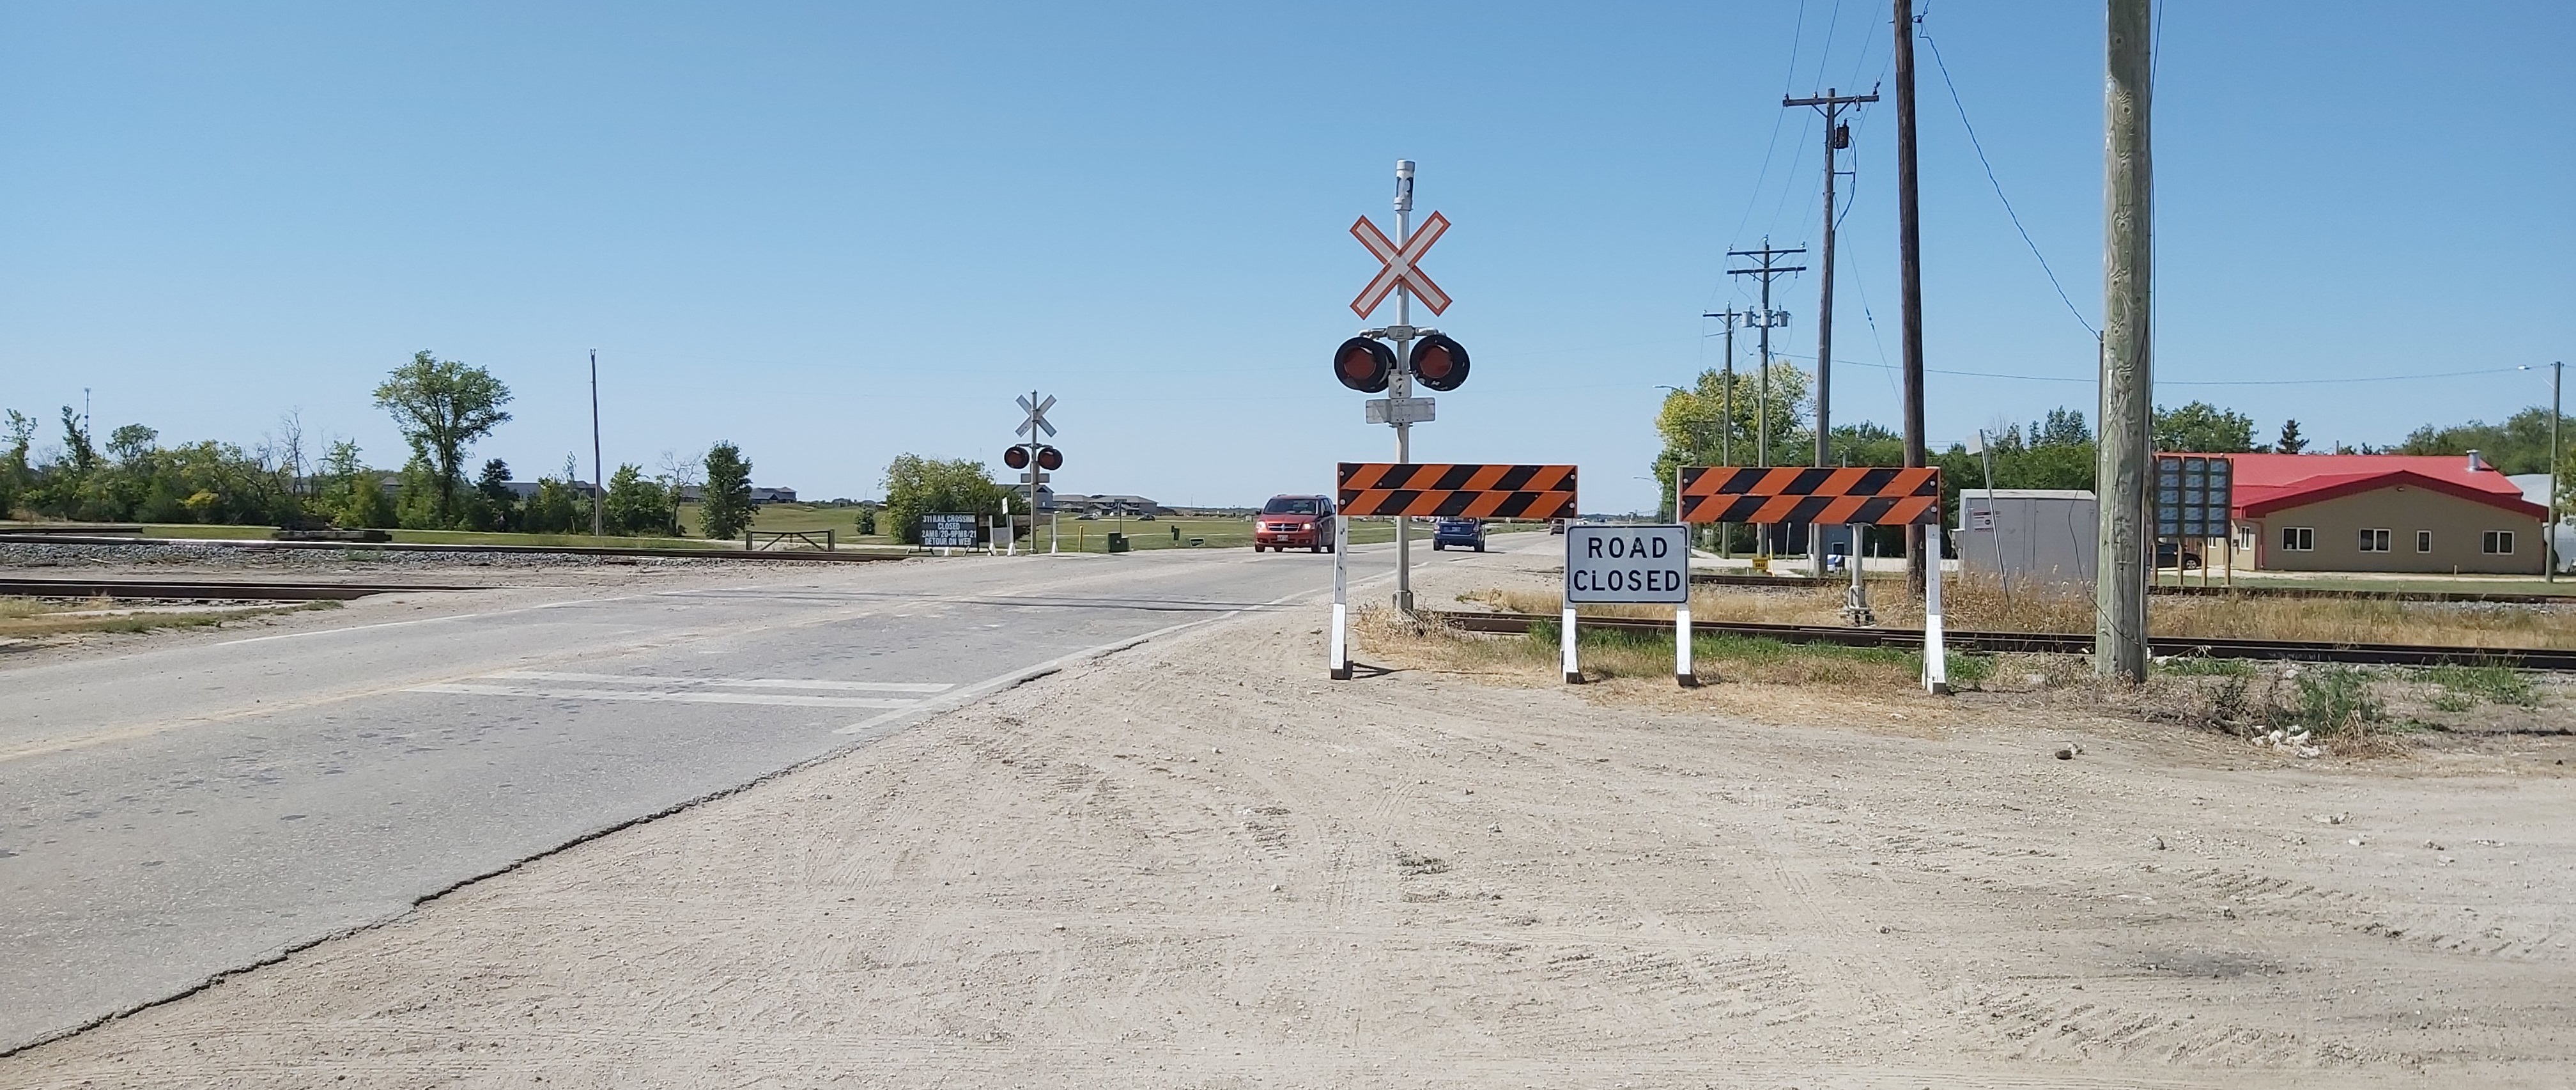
[[2384, 513]]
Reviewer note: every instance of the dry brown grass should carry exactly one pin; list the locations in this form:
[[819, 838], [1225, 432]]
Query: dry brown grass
[[27, 617], [1985, 604]]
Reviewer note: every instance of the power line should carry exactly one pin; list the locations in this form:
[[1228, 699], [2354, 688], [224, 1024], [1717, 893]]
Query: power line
[[1980, 147]]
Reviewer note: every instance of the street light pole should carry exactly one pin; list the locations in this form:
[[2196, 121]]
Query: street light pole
[[2549, 533], [598, 483]]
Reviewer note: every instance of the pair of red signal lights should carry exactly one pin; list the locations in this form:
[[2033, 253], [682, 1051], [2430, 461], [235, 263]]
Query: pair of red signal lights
[[1366, 363], [1048, 458]]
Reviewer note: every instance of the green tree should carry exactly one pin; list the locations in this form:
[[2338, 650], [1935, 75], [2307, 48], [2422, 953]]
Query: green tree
[[442, 407], [16, 473], [2519, 445], [2202, 428], [2064, 428], [1694, 423], [725, 508], [555, 509], [2290, 442], [916, 486], [419, 501], [494, 506], [352, 495], [638, 506]]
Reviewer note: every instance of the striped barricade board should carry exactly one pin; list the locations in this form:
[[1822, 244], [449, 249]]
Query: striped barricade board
[[1875, 495], [1460, 490]]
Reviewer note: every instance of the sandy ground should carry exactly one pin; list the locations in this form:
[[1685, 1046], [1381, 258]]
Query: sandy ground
[[1199, 864]]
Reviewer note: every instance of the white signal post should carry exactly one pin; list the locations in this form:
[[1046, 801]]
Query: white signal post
[[1400, 275], [1035, 474], [1936, 663]]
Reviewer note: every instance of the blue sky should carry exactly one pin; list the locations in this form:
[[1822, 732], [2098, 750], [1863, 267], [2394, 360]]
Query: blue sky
[[836, 233]]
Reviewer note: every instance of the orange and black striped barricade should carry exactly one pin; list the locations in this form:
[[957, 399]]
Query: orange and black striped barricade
[[1849, 496], [1471, 490]]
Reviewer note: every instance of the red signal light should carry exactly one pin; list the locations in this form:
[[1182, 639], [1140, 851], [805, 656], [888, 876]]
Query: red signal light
[[1440, 363], [1050, 459], [1363, 364], [1015, 457]]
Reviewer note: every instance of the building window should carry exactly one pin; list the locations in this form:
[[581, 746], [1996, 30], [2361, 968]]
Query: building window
[[2374, 541], [2497, 543], [2423, 541], [2299, 539], [2245, 537]]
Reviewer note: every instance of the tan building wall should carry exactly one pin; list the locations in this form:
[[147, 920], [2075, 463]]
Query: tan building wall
[[2458, 527]]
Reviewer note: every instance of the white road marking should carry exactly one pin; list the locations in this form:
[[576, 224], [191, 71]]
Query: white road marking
[[777, 699], [727, 682]]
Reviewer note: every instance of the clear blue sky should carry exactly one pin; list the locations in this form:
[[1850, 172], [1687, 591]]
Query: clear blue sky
[[834, 233]]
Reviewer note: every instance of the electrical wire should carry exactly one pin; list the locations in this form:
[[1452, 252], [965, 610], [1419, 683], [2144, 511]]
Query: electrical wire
[[1980, 147]]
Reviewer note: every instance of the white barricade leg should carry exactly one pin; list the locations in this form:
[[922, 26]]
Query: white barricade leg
[[1565, 648], [1936, 663], [1682, 674], [1341, 651]]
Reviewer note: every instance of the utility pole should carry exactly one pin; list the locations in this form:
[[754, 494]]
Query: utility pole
[[1726, 439], [1920, 548], [2549, 533], [598, 484], [1770, 319], [2128, 353], [1837, 135]]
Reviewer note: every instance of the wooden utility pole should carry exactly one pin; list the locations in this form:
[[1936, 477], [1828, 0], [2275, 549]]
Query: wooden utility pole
[[1909, 275], [1770, 320], [1837, 136], [2127, 355]]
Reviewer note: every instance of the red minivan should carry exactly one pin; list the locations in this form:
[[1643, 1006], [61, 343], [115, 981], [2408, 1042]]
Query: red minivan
[[1289, 521]]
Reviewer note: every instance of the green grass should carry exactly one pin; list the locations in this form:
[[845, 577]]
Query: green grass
[[2429, 584], [1621, 652], [2464, 686], [2206, 667]]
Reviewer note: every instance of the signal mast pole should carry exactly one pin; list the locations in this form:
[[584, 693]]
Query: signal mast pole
[[1400, 386]]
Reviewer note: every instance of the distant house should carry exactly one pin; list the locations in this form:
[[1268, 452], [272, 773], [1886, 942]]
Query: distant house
[[1107, 506], [690, 493], [2384, 513], [2535, 487]]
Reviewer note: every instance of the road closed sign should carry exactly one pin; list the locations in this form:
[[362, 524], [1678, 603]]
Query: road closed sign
[[1627, 564]]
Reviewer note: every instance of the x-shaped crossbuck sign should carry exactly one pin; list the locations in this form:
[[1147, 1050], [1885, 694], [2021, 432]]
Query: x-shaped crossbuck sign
[[1037, 417], [1399, 264]]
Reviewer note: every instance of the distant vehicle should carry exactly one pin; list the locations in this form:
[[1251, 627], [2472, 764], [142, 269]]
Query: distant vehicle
[[1556, 526], [1289, 521], [2165, 551], [1464, 533]]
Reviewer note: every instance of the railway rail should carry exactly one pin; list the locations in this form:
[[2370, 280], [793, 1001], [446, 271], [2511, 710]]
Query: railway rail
[[209, 589], [2053, 643], [2250, 590]]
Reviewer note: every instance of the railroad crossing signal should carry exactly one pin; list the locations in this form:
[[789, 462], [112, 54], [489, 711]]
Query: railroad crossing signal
[[1398, 265], [1439, 362], [1364, 364]]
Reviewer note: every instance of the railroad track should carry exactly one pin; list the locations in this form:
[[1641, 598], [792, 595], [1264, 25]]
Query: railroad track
[[209, 589], [2381, 654], [2250, 590]]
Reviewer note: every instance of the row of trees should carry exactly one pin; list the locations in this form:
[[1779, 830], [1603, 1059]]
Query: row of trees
[[2056, 451], [441, 408]]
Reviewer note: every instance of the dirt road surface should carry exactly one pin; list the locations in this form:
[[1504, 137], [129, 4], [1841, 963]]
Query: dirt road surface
[[1199, 864]]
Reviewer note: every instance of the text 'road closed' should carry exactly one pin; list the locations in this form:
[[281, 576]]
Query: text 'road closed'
[[1627, 564]]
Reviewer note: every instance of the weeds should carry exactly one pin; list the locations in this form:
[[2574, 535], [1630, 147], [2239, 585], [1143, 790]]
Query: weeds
[[2331, 701], [2205, 667], [2464, 686]]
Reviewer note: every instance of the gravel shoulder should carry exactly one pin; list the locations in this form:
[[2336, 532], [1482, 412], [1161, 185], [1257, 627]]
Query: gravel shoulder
[[1198, 864]]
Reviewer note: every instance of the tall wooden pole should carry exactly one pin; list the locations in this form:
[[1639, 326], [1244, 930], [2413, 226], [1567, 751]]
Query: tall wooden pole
[[2128, 359], [1909, 272]]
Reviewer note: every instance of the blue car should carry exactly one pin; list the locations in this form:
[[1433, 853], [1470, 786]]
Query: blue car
[[1464, 533]]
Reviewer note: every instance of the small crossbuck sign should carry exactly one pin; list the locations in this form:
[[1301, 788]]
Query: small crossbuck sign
[[1399, 265], [1037, 417]]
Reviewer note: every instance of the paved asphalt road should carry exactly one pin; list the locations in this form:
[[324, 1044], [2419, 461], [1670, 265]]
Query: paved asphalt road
[[176, 812]]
